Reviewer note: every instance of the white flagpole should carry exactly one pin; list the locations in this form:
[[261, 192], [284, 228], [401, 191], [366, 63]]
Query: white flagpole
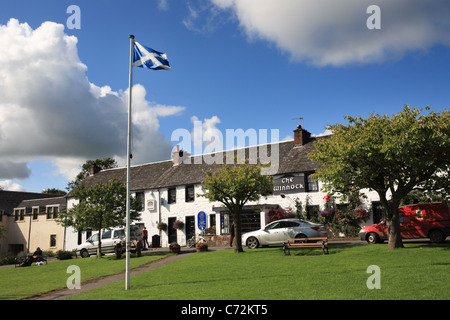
[[127, 268]]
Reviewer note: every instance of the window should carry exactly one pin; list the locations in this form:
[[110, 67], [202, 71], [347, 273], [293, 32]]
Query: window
[[53, 240], [224, 222], [141, 199], [19, 214], [212, 220], [35, 213], [52, 212], [172, 194], [190, 193], [312, 184], [119, 233], [49, 212], [106, 234]]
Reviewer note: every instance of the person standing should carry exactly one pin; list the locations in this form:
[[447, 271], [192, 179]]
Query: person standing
[[232, 234], [145, 237]]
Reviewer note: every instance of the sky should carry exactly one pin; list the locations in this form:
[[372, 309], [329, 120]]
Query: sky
[[235, 64]]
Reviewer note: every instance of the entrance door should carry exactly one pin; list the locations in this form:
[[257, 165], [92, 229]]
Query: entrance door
[[172, 231], [190, 227]]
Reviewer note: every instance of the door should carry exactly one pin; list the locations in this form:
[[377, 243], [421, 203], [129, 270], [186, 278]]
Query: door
[[172, 231], [93, 244], [273, 233], [190, 227], [410, 226]]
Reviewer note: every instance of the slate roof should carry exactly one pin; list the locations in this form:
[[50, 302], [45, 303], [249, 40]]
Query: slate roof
[[11, 199], [164, 174], [43, 202]]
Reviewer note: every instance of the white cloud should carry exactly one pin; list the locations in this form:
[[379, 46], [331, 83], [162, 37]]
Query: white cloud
[[330, 32], [206, 134], [50, 110], [11, 186]]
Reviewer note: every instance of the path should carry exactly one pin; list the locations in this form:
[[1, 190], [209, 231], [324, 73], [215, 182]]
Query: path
[[61, 294]]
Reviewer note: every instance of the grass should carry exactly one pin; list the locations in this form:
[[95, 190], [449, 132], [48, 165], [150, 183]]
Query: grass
[[19, 283], [417, 272]]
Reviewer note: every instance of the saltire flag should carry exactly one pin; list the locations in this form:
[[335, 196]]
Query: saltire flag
[[145, 57]]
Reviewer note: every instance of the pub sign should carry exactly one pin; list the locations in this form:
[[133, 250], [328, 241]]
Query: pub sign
[[289, 184]]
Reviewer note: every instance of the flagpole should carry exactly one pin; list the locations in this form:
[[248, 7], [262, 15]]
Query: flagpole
[[127, 268]]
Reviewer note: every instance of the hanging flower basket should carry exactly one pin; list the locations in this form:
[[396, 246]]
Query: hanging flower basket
[[178, 224], [162, 226]]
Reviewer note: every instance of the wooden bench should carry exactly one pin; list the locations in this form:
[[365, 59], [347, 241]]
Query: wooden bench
[[305, 243], [21, 258]]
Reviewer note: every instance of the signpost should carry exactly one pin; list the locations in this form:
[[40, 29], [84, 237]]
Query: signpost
[[201, 220]]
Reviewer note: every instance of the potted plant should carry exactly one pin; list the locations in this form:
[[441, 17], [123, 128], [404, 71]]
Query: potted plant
[[201, 246], [162, 226], [174, 247]]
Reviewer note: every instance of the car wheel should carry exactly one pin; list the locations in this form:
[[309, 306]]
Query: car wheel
[[84, 253], [252, 243], [436, 236], [301, 236], [372, 238]]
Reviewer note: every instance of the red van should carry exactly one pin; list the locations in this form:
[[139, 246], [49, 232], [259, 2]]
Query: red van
[[423, 220]]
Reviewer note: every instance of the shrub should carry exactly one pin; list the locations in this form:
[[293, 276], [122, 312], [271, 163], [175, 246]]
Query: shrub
[[64, 255]]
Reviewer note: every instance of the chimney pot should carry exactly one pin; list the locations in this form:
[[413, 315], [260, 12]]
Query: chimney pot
[[301, 136]]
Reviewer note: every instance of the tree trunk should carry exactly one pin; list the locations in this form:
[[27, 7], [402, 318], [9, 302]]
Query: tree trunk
[[392, 222], [99, 249], [394, 231], [237, 233]]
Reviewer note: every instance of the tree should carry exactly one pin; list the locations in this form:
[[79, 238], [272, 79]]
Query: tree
[[103, 164], [54, 191], [100, 206], [391, 155], [234, 186]]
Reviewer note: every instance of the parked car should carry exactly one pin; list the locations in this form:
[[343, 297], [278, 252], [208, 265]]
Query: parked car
[[110, 240], [278, 232], [424, 220]]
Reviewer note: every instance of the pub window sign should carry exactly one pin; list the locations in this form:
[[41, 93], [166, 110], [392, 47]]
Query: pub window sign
[[289, 184]]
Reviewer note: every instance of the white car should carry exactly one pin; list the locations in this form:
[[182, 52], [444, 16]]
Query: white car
[[278, 232], [110, 239]]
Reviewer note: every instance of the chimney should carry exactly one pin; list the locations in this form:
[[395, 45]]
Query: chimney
[[301, 136], [94, 169], [178, 156]]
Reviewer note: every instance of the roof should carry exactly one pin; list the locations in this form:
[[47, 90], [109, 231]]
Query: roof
[[61, 201], [11, 199], [292, 159]]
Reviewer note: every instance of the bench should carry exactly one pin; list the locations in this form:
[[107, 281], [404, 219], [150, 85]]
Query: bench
[[305, 243], [21, 258]]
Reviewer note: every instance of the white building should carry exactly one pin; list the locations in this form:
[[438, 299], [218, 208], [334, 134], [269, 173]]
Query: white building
[[169, 192]]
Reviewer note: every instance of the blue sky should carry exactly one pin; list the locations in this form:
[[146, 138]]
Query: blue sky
[[235, 64]]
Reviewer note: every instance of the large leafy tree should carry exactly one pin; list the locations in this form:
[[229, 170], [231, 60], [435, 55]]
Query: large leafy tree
[[234, 186], [106, 163], [100, 206], [391, 155]]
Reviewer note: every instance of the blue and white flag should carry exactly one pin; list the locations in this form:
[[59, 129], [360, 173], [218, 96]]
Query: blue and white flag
[[145, 57]]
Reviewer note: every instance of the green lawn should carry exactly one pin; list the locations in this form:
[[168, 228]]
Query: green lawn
[[420, 271], [19, 283]]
